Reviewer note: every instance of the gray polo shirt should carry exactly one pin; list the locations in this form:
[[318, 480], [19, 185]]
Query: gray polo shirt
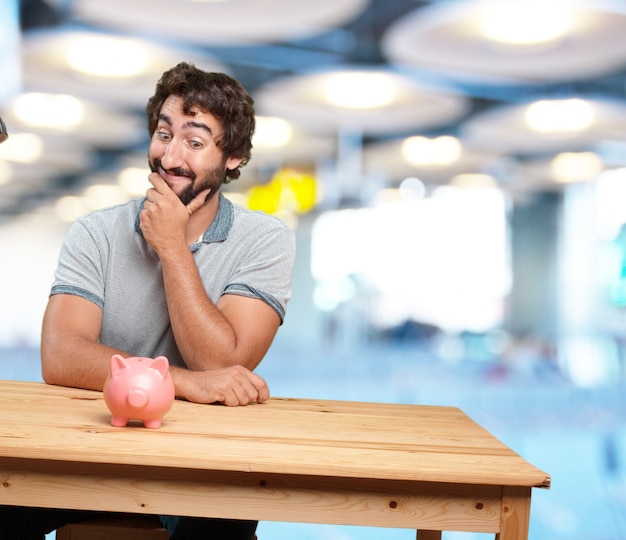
[[106, 260]]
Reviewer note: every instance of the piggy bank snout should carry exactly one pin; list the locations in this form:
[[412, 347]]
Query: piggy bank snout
[[137, 397]]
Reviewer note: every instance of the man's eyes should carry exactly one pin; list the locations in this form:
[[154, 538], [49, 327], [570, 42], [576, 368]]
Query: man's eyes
[[165, 136]]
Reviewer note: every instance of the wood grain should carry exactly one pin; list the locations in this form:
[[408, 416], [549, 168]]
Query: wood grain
[[370, 464], [351, 439]]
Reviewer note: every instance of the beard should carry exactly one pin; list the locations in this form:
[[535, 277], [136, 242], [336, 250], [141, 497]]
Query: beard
[[213, 179]]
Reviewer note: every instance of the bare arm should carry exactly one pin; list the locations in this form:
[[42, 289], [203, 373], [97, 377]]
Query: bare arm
[[236, 331], [219, 343], [70, 352], [72, 356]]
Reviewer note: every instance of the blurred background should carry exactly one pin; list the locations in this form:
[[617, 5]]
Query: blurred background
[[455, 172]]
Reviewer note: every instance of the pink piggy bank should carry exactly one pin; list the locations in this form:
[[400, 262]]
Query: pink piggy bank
[[139, 389]]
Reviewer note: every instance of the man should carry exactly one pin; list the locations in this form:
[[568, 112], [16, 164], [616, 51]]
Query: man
[[183, 273]]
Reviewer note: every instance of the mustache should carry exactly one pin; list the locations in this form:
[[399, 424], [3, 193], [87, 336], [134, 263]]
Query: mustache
[[178, 171]]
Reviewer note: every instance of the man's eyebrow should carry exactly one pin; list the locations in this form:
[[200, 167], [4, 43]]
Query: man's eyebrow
[[165, 119], [200, 125], [191, 124]]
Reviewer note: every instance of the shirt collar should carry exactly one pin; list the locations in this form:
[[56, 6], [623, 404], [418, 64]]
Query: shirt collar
[[222, 224], [218, 229]]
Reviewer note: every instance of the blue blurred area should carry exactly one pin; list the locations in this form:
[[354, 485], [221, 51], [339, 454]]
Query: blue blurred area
[[576, 434], [10, 67]]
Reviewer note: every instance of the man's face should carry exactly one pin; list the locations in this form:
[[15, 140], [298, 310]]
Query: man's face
[[184, 152]]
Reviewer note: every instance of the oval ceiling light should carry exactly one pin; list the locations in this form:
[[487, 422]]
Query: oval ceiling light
[[103, 195], [111, 76], [221, 23], [440, 151], [5, 172], [59, 111], [271, 132], [22, 148], [107, 56], [70, 207], [559, 116], [359, 90], [569, 167], [134, 180], [368, 100], [525, 22], [446, 38], [473, 181]]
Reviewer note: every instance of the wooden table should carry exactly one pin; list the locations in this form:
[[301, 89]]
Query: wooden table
[[369, 464]]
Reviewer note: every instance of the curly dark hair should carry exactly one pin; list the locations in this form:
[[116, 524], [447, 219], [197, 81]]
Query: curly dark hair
[[216, 93]]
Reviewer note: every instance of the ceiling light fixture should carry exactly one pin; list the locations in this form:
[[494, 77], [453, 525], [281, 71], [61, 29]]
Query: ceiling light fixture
[[5, 172], [437, 152], [107, 56], [560, 116], [134, 180], [473, 181], [359, 90], [69, 208], [525, 22], [48, 110], [387, 196], [271, 132], [570, 167], [103, 195], [22, 148]]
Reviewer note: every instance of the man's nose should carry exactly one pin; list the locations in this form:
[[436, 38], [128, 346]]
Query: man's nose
[[172, 155]]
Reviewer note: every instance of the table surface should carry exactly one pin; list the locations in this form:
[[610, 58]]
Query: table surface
[[319, 461], [282, 435]]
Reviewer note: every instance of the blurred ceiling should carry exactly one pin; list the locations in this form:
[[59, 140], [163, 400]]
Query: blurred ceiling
[[444, 79]]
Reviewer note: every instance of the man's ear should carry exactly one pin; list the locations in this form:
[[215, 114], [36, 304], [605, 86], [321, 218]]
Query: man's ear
[[233, 162]]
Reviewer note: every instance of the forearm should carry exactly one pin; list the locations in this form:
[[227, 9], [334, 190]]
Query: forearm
[[183, 381], [210, 333], [71, 354], [204, 336], [76, 362]]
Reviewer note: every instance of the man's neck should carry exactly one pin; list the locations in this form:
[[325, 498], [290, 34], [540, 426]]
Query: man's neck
[[201, 219]]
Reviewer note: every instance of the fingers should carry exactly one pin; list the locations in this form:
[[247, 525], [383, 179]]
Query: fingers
[[157, 181], [198, 201], [159, 188], [243, 387], [262, 390]]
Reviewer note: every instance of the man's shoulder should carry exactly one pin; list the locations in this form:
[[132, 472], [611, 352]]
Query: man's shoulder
[[256, 218], [253, 227], [113, 215]]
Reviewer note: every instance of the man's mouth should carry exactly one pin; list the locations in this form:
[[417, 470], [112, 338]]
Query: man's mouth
[[174, 175], [175, 178]]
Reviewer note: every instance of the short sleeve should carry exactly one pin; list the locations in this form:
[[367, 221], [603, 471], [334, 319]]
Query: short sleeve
[[80, 270], [266, 269]]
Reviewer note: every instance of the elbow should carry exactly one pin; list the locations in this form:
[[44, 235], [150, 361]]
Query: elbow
[[49, 369], [55, 363], [49, 377]]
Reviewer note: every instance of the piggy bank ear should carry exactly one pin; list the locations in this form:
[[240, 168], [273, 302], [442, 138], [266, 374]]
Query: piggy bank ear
[[118, 362], [161, 364]]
